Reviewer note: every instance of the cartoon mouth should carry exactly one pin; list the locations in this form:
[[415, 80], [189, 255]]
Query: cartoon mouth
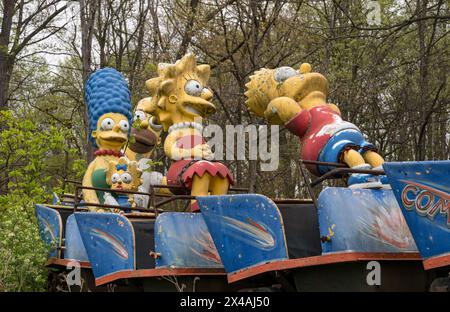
[[145, 140], [118, 187], [192, 110], [203, 108], [114, 138]]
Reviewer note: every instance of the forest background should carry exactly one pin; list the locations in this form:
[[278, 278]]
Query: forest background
[[387, 63]]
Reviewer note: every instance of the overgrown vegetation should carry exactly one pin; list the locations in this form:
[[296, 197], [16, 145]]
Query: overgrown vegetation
[[27, 150]]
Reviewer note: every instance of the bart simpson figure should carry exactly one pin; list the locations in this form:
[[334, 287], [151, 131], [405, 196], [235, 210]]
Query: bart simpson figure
[[297, 100], [109, 108], [180, 99], [122, 175]]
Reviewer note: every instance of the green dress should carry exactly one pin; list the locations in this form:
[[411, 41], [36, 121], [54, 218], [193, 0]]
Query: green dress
[[99, 180]]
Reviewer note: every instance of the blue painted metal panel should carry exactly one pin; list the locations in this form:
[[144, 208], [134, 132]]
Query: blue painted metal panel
[[362, 220], [50, 228], [422, 190], [109, 242], [73, 242], [183, 241], [247, 229]]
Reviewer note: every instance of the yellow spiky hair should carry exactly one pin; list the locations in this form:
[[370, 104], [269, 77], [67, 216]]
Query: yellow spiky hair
[[168, 73], [256, 94]]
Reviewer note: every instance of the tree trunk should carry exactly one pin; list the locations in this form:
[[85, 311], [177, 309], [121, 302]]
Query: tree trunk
[[423, 78], [187, 37], [87, 17], [6, 62]]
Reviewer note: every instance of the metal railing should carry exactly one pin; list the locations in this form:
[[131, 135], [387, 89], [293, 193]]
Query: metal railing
[[153, 206]]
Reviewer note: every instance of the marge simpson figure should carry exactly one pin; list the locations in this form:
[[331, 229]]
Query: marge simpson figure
[[180, 99], [297, 100], [109, 108]]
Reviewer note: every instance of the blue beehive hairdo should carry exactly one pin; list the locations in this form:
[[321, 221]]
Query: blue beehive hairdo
[[106, 92]]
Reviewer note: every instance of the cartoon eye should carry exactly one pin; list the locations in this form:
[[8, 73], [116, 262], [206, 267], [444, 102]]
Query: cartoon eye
[[155, 126], [126, 177], [193, 87], [139, 115], [107, 124], [115, 177], [283, 73], [124, 126]]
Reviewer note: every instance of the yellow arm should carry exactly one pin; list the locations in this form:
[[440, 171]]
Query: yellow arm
[[201, 151], [281, 110]]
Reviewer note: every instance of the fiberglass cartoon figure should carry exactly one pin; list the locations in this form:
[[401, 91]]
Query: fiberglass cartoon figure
[[297, 100], [109, 108], [145, 133], [122, 175], [180, 99], [145, 137]]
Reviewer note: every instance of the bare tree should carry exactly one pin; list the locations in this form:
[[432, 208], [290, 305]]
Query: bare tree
[[24, 24]]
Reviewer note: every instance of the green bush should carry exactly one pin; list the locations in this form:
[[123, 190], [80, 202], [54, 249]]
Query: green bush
[[25, 152]]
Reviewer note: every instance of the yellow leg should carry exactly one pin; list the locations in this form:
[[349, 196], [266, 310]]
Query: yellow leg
[[219, 186], [200, 186], [352, 158], [373, 158]]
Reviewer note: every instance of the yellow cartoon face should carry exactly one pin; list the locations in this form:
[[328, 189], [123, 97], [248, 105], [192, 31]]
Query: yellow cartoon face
[[123, 175], [112, 131], [145, 132], [180, 92], [268, 84]]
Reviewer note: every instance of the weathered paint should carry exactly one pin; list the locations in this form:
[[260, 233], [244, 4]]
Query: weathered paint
[[362, 220], [247, 229], [73, 242], [109, 242], [423, 191], [183, 241], [50, 228]]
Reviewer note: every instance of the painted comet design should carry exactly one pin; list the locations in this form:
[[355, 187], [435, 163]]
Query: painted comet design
[[47, 228], [208, 251], [250, 232], [389, 227], [117, 246]]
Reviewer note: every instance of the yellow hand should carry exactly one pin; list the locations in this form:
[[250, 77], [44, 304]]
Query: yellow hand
[[281, 110]]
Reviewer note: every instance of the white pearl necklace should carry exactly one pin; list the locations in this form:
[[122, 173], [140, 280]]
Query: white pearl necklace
[[185, 125]]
